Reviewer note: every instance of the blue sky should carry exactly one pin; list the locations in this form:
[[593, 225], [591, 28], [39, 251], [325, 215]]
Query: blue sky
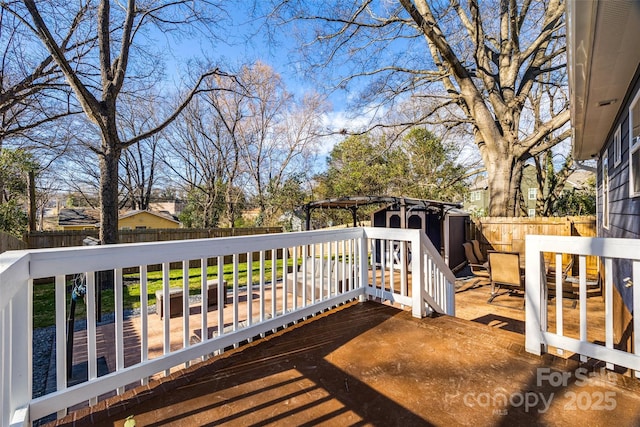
[[236, 50]]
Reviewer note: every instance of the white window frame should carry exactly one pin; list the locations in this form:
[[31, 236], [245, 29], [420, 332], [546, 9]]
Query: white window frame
[[634, 146], [617, 146], [533, 193], [532, 213], [605, 190]]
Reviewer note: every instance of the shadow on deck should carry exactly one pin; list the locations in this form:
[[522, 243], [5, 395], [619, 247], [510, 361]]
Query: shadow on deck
[[372, 364]]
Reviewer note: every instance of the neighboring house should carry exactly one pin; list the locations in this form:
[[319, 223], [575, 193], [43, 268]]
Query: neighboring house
[[174, 207], [78, 219], [604, 79], [477, 201], [529, 189], [89, 219], [139, 220]]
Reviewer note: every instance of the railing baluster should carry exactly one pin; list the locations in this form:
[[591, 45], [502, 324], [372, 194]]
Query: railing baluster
[[314, 272], [383, 265], [262, 286], [305, 276], [403, 268], [583, 302], [92, 361], [322, 273], [374, 265], [295, 277], [341, 270], [285, 278], [274, 296], [204, 302], [144, 319], [61, 348], [249, 288], [608, 306], [222, 293], [236, 297], [392, 266], [559, 297], [119, 325], [185, 307], [166, 313]]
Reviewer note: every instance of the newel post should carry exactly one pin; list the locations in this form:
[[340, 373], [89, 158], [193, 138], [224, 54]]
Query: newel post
[[417, 277], [535, 298]]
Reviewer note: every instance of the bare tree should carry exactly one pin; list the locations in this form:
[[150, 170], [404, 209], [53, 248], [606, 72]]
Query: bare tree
[[278, 135], [32, 87], [140, 163], [483, 60], [204, 157], [114, 70], [254, 136]]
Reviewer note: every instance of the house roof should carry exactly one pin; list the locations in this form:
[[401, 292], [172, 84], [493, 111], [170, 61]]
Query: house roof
[[91, 217], [603, 56], [579, 178], [71, 217]]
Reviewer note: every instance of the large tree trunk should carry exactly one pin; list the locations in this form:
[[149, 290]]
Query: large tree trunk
[[504, 179], [109, 161]]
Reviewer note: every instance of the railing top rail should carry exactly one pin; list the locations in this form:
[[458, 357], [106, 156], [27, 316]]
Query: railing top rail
[[598, 246], [58, 261], [439, 262], [391, 233], [14, 271]]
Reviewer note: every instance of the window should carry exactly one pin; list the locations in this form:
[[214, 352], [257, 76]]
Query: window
[[475, 196], [617, 147], [634, 147], [533, 192], [605, 190], [532, 212]]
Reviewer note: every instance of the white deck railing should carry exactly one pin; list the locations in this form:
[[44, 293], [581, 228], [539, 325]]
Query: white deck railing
[[327, 268], [539, 336]]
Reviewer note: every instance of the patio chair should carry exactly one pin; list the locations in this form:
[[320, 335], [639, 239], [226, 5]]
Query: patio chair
[[567, 287], [479, 269], [505, 273], [477, 252]]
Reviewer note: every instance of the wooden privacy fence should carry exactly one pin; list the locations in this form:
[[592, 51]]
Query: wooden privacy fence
[[508, 234], [10, 243], [59, 239]]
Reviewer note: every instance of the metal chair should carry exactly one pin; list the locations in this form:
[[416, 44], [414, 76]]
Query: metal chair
[[479, 269], [505, 273]]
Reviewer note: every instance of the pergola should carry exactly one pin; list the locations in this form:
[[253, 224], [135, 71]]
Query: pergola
[[354, 202]]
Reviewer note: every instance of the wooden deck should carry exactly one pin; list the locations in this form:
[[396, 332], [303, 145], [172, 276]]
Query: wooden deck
[[372, 364], [505, 316]]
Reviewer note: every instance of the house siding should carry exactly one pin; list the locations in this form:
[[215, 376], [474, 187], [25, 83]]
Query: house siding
[[146, 220], [624, 211]]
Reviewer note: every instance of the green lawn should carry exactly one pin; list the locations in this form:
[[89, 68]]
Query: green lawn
[[44, 300]]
